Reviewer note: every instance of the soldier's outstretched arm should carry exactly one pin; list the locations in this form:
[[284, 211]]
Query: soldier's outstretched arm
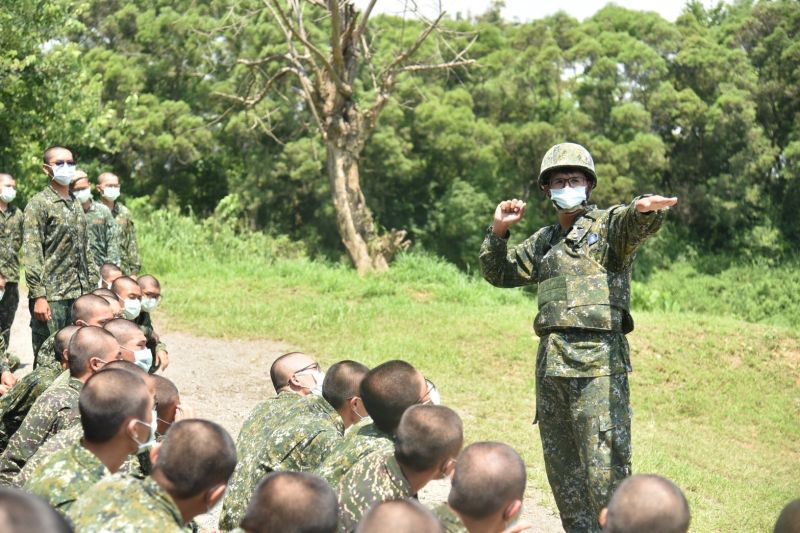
[[631, 225]]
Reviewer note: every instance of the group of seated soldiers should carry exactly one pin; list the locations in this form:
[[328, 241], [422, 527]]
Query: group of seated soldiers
[[94, 441]]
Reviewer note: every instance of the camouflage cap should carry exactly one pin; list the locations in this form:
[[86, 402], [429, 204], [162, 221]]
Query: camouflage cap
[[567, 155]]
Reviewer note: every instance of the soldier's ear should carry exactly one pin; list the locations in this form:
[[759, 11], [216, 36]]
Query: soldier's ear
[[214, 494], [603, 518], [154, 451], [512, 510]]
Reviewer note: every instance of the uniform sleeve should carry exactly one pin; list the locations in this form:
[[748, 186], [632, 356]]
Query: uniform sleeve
[[33, 252], [628, 229], [134, 259], [319, 448], [510, 268], [113, 238]]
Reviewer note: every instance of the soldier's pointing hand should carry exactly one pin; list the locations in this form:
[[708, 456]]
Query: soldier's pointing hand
[[508, 213], [654, 203]]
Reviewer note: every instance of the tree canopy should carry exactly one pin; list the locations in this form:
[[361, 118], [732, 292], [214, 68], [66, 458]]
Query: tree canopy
[[706, 108]]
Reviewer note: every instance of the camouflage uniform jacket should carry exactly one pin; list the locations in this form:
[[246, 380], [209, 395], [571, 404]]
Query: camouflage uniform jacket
[[584, 286], [130, 262], [57, 258], [376, 478], [145, 323], [62, 440], [103, 234], [65, 476], [17, 402], [5, 364], [46, 356], [294, 441], [10, 242], [51, 412], [449, 519], [125, 504], [362, 439]]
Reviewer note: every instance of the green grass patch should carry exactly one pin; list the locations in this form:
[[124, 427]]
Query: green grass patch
[[715, 398]]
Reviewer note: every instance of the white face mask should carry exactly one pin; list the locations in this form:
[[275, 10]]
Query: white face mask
[[149, 304], [146, 445], [111, 193], [83, 195], [2, 293], [568, 198], [318, 377], [132, 308], [7, 194], [63, 174], [143, 358]]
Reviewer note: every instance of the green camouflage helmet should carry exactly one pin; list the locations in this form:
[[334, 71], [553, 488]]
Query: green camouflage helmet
[[567, 155]]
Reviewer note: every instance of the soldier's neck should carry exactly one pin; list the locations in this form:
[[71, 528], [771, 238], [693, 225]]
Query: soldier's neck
[[492, 524], [109, 453], [106, 202], [62, 190], [3, 206], [86, 205], [417, 480], [566, 220]]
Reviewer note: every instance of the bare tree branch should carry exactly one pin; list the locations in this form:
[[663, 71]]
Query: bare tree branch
[[388, 72], [340, 85], [438, 66], [252, 102], [364, 18], [336, 35]]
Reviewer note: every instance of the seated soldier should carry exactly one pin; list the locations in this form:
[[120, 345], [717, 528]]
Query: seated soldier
[[648, 503], [151, 297], [25, 513], [87, 310], [116, 411], [789, 519], [292, 376], [130, 296], [131, 340], [74, 432], [89, 349], [15, 405], [297, 442], [487, 490], [399, 516], [191, 470], [291, 502], [108, 275], [387, 391], [429, 437]]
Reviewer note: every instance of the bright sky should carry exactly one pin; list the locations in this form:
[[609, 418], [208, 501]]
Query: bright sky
[[525, 10]]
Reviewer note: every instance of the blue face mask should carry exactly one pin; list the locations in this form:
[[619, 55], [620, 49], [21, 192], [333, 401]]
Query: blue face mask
[[568, 199]]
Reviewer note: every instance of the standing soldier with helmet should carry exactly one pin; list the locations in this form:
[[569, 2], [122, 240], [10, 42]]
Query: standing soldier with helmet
[[582, 266]]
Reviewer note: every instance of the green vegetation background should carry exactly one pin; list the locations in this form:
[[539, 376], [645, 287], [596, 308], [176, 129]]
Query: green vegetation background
[[715, 396]]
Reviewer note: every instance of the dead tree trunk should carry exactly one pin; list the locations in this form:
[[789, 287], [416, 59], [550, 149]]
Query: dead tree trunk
[[326, 81]]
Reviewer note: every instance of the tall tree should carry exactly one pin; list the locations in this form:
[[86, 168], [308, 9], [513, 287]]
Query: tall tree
[[325, 63]]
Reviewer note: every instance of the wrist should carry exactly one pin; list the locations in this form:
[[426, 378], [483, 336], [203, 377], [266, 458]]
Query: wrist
[[499, 229]]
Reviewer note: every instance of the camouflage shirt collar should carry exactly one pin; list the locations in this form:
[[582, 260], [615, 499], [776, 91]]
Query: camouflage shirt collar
[[54, 197], [396, 475], [75, 384], [89, 461], [9, 212], [162, 500]]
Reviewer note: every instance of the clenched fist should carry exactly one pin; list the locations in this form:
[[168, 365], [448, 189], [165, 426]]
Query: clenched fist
[[508, 213]]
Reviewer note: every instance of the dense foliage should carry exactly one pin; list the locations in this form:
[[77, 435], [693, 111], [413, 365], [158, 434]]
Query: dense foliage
[[707, 108]]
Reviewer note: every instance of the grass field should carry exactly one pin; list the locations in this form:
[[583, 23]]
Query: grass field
[[715, 399]]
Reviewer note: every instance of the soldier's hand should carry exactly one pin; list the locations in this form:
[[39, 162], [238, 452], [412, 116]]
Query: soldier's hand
[[8, 379], [507, 213], [517, 528], [654, 203], [41, 310], [162, 359]]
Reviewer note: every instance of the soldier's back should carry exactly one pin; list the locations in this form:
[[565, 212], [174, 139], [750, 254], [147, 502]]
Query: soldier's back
[[60, 441], [125, 504], [16, 404], [449, 519], [65, 476], [363, 439]]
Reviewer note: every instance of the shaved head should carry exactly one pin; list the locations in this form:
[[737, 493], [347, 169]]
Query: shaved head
[[428, 435], [61, 340], [196, 455], [107, 177], [123, 330], [6, 179], [148, 281], [91, 310], [21, 512], [399, 516], [488, 476], [55, 152], [125, 286], [108, 400], [286, 365], [388, 390], [789, 519], [342, 382], [647, 503], [110, 272], [292, 502], [87, 343]]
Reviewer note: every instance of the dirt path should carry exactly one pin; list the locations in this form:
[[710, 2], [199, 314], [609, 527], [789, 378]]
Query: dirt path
[[224, 378]]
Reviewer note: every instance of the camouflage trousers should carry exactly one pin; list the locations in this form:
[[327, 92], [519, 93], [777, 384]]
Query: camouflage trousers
[[40, 331], [585, 427], [8, 309]]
